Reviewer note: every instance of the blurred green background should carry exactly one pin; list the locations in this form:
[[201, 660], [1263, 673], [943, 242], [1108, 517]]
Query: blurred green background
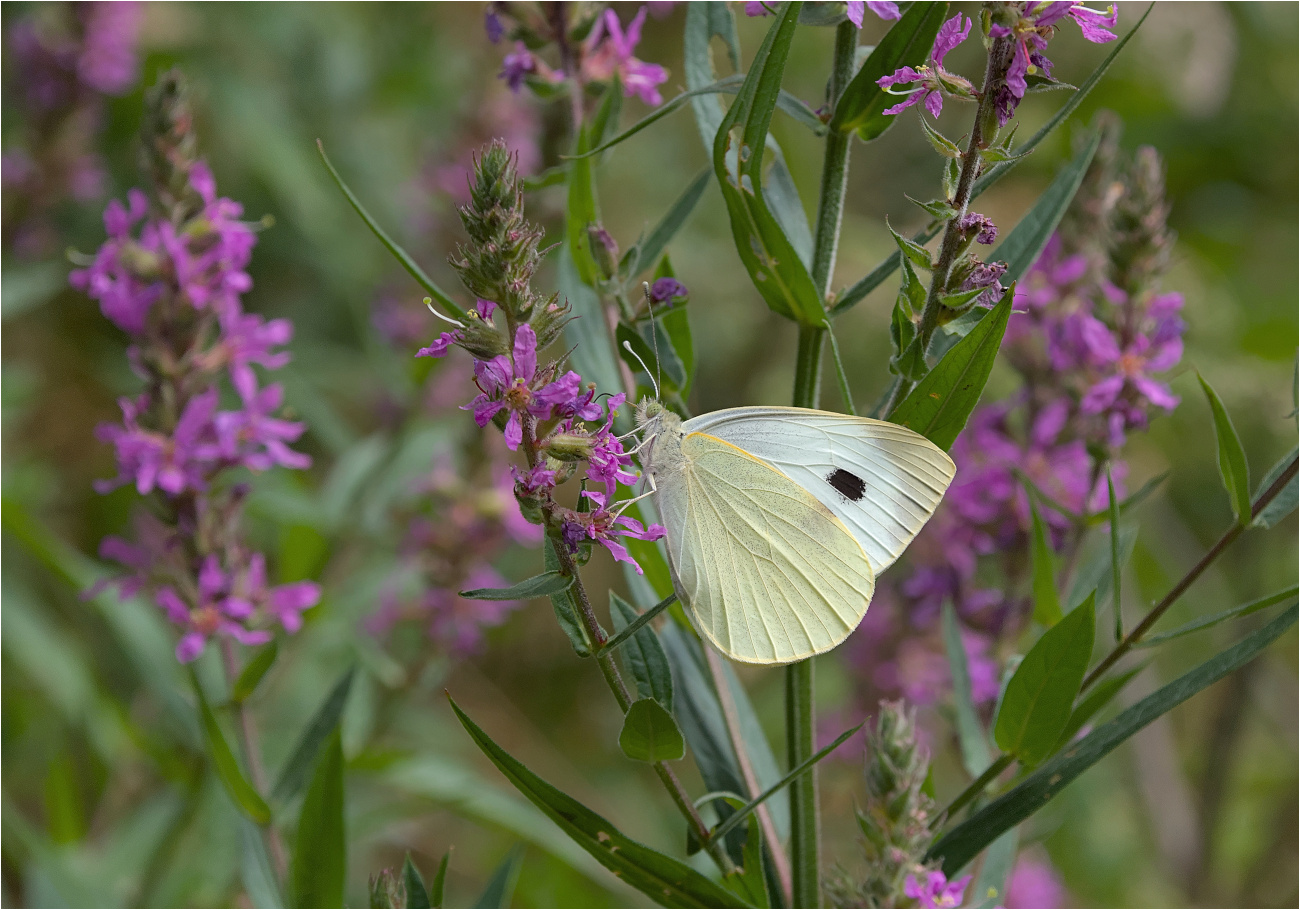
[[1201, 808]]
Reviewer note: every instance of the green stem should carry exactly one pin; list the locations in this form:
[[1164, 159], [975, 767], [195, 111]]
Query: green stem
[[800, 715]]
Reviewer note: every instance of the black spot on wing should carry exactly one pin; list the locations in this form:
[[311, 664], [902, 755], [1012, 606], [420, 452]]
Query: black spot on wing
[[850, 486]]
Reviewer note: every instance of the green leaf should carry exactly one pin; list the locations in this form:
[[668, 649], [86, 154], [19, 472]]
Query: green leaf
[[582, 211], [650, 734], [907, 43], [320, 855], [437, 893], [991, 883], [252, 673], [1047, 602], [243, 794], [915, 252], [971, 737], [1094, 701], [939, 142], [1214, 619], [323, 723], [641, 649], [1022, 246], [543, 585], [662, 878], [964, 842], [858, 291], [765, 248], [1232, 457], [413, 269], [942, 402], [566, 609], [648, 251], [748, 881], [417, 894], [795, 773], [1036, 706], [1285, 502], [703, 22], [255, 867], [501, 887], [1096, 574]]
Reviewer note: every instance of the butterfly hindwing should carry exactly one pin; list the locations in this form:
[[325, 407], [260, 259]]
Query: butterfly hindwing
[[770, 574], [882, 480]]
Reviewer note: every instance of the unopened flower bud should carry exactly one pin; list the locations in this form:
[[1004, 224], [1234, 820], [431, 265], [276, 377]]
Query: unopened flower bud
[[604, 249]]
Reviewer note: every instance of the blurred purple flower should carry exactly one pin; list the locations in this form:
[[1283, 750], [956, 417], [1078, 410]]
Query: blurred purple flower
[[608, 51], [517, 66], [936, 891], [492, 23], [108, 60], [1034, 883]]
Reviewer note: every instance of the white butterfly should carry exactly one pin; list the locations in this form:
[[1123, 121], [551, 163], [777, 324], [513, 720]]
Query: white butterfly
[[780, 519]]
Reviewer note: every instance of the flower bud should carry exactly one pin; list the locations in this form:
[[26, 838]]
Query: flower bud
[[604, 249]]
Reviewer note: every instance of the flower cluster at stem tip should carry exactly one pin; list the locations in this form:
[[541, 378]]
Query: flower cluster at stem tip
[[560, 425], [171, 275]]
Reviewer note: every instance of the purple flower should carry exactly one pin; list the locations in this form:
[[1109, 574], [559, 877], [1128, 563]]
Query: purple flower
[[930, 82], [492, 23], [609, 52], [981, 226], [153, 460], [108, 61], [516, 386], [532, 481], [284, 603], [517, 66], [665, 290], [1034, 883], [885, 9], [252, 437], [482, 308], [604, 526], [936, 891], [218, 609]]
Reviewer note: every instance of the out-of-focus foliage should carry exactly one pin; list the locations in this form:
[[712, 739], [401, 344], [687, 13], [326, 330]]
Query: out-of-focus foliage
[[107, 797]]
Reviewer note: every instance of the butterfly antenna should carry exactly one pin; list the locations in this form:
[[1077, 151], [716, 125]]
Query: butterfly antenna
[[654, 335], [627, 346]]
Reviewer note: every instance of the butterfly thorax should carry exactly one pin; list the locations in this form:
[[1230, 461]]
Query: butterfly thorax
[[662, 432]]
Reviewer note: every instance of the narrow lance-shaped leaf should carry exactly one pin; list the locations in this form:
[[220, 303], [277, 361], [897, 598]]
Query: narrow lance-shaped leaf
[[1285, 502], [1232, 457], [650, 734], [767, 252], [322, 724], [1100, 695], [243, 794], [437, 891], [941, 403], [566, 609], [412, 267], [907, 43], [665, 880], [649, 250], [417, 894], [543, 585], [964, 842], [641, 650], [1036, 705], [320, 851], [1206, 622], [1047, 602], [246, 684], [970, 732], [990, 885], [501, 886]]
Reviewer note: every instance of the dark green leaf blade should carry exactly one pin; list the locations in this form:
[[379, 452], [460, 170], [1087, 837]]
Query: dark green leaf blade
[[907, 43], [417, 894], [543, 585], [1214, 619], [644, 655], [971, 738], [748, 880], [1094, 701], [1285, 502], [437, 893], [1047, 601], [650, 734], [243, 794], [942, 402], [765, 249], [413, 269], [1232, 457], [501, 887], [964, 842], [300, 763], [320, 852], [662, 878], [566, 609], [247, 682], [1036, 705]]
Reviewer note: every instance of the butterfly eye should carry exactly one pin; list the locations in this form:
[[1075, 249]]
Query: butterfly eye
[[850, 486]]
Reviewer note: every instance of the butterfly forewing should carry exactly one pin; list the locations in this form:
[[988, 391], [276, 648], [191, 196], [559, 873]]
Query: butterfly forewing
[[769, 572], [882, 480]]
